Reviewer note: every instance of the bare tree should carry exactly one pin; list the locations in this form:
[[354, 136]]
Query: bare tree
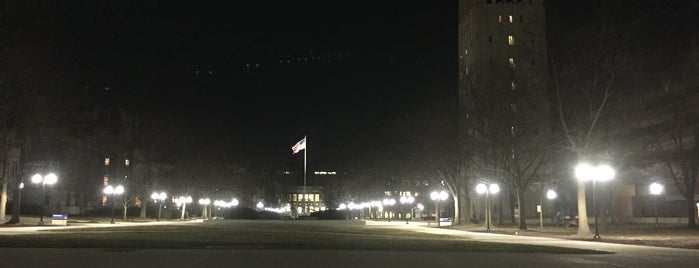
[[674, 140], [586, 70]]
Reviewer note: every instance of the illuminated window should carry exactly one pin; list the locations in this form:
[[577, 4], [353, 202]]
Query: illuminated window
[[499, 18], [511, 61], [513, 85], [106, 180], [510, 40], [294, 197], [126, 162], [106, 161], [104, 200], [466, 70], [511, 19], [387, 193], [317, 197], [137, 202]]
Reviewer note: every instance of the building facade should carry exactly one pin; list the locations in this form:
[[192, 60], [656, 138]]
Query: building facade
[[503, 75]]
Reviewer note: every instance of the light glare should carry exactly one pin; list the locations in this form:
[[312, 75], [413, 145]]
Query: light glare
[[656, 188]]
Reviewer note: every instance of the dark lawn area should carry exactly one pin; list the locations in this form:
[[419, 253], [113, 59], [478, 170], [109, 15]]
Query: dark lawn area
[[253, 234]]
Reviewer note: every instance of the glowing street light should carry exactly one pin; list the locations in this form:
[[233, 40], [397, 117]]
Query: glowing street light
[[205, 209], [586, 172], [437, 197], [114, 191], [550, 195], [159, 197], [487, 189], [656, 189], [49, 179], [184, 200]]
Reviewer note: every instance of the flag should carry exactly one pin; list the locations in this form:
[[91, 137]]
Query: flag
[[301, 145]]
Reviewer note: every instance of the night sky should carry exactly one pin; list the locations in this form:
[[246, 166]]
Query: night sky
[[245, 81], [372, 83]]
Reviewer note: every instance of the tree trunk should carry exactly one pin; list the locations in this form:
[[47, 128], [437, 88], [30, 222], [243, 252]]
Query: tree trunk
[[3, 200], [457, 213], [15, 208], [501, 211], [691, 213], [522, 210], [511, 200], [465, 206], [583, 227]]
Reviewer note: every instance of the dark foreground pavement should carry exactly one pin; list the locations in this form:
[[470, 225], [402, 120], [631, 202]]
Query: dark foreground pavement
[[13, 257]]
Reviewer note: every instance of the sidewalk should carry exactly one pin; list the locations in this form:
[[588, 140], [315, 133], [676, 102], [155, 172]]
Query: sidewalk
[[30, 225], [673, 236]]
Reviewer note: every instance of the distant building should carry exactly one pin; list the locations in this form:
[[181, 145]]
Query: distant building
[[502, 59], [117, 170]]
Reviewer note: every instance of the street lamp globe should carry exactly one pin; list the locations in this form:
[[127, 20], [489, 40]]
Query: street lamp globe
[[50, 179], [551, 194], [119, 189], [260, 205], [37, 178], [656, 188], [481, 188], [494, 188], [605, 173], [584, 172], [234, 202], [108, 190], [154, 196]]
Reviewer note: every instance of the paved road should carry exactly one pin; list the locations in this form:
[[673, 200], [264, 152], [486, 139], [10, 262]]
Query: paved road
[[622, 255]]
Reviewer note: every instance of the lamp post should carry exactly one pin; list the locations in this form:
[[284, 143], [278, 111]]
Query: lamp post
[[487, 189], [205, 209], [550, 195], [183, 200], [49, 179], [159, 197], [586, 172], [406, 201], [438, 197], [114, 191], [656, 189]]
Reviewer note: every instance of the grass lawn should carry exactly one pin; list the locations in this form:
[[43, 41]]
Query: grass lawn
[[249, 234]]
